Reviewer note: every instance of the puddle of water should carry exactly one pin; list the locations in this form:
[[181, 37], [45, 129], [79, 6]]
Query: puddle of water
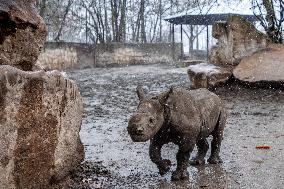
[[114, 161]]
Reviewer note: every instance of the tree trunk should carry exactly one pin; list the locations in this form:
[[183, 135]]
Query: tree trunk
[[107, 30], [121, 31], [114, 17], [273, 32], [160, 19], [191, 40], [67, 9], [42, 8], [142, 14], [197, 38]]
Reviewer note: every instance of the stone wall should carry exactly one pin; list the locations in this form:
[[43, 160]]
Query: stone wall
[[62, 56], [58, 59], [132, 53], [56, 55]]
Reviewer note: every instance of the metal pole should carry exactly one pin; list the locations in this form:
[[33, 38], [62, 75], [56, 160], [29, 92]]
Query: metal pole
[[173, 41], [207, 42]]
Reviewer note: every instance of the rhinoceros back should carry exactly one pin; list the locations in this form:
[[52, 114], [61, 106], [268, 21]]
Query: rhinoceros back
[[197, 110]]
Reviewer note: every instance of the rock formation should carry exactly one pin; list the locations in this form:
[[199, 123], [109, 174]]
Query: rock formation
[[41, 112], [40, 120], [237, 38], [22, 34], [263, 66]]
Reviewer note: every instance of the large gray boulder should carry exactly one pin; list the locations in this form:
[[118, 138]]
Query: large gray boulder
[[263, 66], [237, 38], [40, 120], [206, 75], [22, 33]]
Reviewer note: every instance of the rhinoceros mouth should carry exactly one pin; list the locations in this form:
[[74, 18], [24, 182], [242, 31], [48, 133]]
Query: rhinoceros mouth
[[139, 138]]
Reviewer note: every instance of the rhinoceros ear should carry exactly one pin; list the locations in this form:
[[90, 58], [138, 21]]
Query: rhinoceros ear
[[140, 92], [164, 96]]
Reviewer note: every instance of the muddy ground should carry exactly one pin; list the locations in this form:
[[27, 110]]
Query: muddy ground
[[114, 161]]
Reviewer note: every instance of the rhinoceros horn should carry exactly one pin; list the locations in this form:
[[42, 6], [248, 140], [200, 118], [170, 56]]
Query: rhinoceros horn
[[140, 92]]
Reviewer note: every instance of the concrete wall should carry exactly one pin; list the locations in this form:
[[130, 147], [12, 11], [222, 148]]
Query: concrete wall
[[61, 55], [129, 54], [85, 54]]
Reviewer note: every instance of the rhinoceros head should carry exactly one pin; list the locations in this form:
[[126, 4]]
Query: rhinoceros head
[[149, 117]]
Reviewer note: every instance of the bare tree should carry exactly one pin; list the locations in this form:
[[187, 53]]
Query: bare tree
[[139, 31], [118, 10], [271, 16], [110, 20], [63, 20], [93, 19], [41, 4]]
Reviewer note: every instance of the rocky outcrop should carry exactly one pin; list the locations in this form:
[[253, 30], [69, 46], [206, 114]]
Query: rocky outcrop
[[22, 34], [41, 112], [237, 38], [263, 66], [40, 120], [207, 75]]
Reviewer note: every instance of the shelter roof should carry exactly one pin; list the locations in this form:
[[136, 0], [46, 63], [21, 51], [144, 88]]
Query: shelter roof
[[208, 14]]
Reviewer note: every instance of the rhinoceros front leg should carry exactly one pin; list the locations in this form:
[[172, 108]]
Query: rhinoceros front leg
[[163, 165], [182, 162]]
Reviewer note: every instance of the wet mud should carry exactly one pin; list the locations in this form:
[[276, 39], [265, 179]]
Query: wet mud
[[256, 117]]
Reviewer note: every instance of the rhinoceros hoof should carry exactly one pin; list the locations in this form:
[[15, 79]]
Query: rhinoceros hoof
[[197, 162], [165, 166], [215, 160], [180, 175]]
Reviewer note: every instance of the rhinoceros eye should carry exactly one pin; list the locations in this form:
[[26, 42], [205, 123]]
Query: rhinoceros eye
[[151, 120]]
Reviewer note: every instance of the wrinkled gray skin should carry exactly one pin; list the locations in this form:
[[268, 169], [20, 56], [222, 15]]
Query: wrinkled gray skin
[[184, 117]]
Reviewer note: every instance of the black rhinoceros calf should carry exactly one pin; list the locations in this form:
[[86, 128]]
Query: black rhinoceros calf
[[184, 117]]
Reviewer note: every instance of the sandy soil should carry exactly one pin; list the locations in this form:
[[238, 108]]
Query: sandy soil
[[114, 161]]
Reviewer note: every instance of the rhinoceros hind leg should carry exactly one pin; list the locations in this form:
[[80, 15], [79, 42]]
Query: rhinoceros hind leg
[[202, 146], [217, 139], [164, 166]]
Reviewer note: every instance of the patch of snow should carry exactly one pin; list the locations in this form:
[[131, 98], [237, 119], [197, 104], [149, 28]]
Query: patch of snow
[[64, 74], [205, 68], [222, 7]]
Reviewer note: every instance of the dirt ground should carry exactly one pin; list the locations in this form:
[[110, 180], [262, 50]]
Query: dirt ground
[[114, 161]]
